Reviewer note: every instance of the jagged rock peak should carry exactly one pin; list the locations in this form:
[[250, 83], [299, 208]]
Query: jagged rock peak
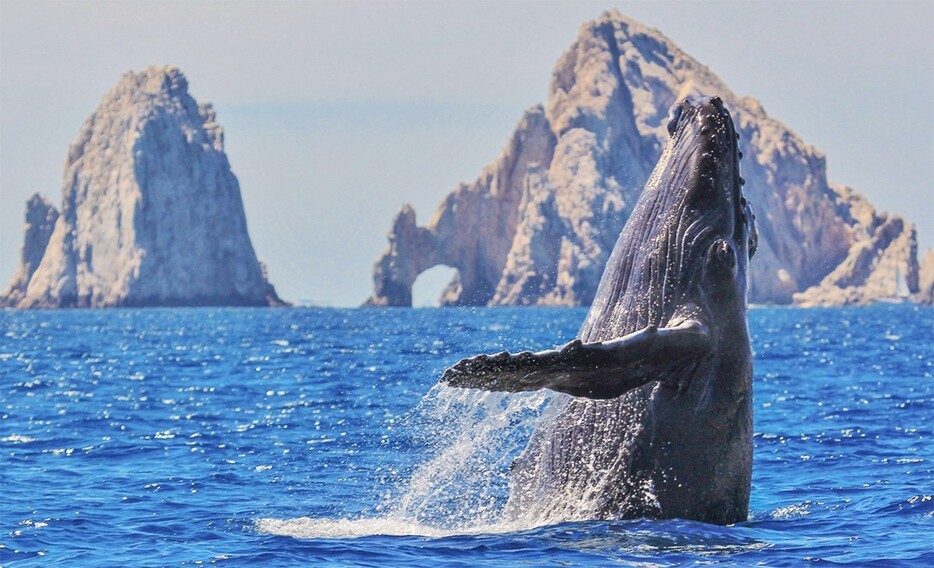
[[41, 216], [144, 95], [539, 223], [151, 211]]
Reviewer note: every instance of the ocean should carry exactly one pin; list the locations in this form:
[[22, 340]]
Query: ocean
[[281, 437]]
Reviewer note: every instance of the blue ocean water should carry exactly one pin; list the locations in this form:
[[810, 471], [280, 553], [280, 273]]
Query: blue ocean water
[[315, 436]]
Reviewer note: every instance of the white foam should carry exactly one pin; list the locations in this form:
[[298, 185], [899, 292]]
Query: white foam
[[17, 439], [307, 527]]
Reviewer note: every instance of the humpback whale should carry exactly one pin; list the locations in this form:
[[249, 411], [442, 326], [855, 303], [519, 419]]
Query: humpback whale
[[659, 423]]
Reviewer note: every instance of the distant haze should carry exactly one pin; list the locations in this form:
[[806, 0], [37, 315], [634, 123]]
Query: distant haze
[[336, 113]]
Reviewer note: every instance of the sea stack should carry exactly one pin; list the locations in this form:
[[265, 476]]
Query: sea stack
[[926, 280], [538, 225], [151, 212]]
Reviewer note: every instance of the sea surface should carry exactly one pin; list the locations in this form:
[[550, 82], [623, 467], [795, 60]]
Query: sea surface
[[319, 437]]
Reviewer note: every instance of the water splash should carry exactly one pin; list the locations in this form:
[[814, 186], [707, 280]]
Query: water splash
[[468, 485], [472, 439]]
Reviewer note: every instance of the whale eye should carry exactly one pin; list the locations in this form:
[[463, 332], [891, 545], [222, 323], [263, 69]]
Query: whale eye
[[722, 257]]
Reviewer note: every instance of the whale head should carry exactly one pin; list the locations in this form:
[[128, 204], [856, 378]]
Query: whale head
[[699, 180], [685, 249]]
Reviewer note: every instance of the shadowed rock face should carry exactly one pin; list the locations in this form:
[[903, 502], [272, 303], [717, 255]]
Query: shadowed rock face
[[538, 225], [869, 270], [41, 217], [151, 212], [926, 279]]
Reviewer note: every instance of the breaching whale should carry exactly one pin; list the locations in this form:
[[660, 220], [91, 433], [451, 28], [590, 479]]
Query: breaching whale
[[660, 425]]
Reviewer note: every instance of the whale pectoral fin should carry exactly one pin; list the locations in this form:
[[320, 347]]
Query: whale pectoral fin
[[594, 370]]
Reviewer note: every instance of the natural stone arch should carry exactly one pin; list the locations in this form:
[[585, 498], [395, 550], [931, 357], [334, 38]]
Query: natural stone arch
[[433, 287], [472, 230]]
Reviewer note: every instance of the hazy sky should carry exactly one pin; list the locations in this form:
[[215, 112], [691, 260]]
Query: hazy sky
[[336, 113]]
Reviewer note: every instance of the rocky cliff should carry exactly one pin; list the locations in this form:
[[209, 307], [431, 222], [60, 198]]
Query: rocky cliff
[[41, 217], [926, 279], [537, 225], [884, 248], [151, 211]]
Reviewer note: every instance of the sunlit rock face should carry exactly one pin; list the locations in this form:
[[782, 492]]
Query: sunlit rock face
[[151, 211], [473, 229], [537, 226]]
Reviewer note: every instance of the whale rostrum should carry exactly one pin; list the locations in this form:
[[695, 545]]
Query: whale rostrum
[[660, 423]]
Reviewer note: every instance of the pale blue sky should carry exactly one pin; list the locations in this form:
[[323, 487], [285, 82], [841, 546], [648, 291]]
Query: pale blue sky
[[338, 112]]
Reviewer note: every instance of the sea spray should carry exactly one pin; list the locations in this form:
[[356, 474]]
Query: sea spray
[[470, 439], [475, 438]]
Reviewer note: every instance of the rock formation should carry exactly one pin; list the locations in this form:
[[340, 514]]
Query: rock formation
[[41, 216], [926, 279], [473, 229], [151, 212], [538, 224], [885, 247]]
